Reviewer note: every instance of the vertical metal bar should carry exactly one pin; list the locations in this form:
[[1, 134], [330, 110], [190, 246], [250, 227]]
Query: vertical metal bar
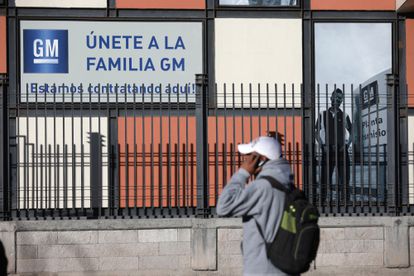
[[126, 149], [135, 156], [293, 133], [192, 176], [284, 117], [242, 113], [319, 151], [169, 154], [37, 153], [251, 111], [152, 154], [65, 176], [161, 155], [224, 154], [82, 163], [276, 107], [216, 168], [152, 175], [327, 153], [176, 176], [110, 157], [177, 150], [96, 173], [369, 154], [306, 185], [345, 182], [46, 165], [4, 169], [82, 156], [26, 175], [353, 152], [18, 165], [117, 195], [362, 157], [74, 189], [267, 109], [32, 205], [377, 152], [144, 154], [187, 175], [202, 154], [135, 170], [41, 176], [90, 131], [73, 155], [168, 188], [393, 142], [50, 176], [234, 132], [216, 158], [336, 155], [160, 159], [126, 164], [57, 193], [259, 108]]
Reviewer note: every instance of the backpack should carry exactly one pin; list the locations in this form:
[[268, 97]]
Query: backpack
[[297, 240]]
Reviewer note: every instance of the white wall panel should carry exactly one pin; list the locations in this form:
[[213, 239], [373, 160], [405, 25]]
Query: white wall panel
[[259, 51], [62, 3], [42, 176]]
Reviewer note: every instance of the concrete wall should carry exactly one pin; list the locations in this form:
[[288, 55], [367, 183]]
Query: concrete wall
[[194, 246]]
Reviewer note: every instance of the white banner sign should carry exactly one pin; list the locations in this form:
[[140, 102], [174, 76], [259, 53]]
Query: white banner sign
[[68, 61]]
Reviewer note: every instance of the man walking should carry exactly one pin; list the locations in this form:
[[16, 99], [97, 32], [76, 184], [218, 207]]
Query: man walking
[[260, 205]]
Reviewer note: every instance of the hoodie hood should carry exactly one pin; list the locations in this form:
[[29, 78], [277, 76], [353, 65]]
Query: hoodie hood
[[278, 169]]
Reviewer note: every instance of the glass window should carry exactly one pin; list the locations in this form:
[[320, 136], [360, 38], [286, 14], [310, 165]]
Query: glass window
[[259, 2], [352, 61]]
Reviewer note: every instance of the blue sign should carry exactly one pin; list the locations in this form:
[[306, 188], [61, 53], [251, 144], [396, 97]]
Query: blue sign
[[45, 51]]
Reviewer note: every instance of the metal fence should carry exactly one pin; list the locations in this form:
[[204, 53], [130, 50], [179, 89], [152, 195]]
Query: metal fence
[[149, 154]]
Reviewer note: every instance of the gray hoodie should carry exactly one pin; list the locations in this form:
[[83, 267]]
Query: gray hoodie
[[264, 204]]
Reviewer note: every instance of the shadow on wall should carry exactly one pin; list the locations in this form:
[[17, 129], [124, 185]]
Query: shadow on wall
[[3, 260]]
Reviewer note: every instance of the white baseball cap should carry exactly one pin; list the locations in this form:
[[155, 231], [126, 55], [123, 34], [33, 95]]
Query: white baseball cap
[[263, 145]]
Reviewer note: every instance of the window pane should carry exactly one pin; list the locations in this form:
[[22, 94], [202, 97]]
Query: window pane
[[352, 61], [258, 2], [253, 54]]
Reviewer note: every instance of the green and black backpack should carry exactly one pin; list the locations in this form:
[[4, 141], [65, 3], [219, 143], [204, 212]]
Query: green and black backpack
[[297, 240]]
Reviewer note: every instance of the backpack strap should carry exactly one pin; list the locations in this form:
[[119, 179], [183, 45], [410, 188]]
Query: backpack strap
[[279, 186], [276, 184]]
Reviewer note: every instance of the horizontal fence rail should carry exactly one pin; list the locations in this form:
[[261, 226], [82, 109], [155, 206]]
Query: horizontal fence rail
[[129, 158]]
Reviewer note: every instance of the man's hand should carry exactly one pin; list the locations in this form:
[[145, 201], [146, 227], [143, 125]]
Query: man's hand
[[250, 163]]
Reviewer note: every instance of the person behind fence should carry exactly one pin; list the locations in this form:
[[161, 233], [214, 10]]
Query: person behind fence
[[260, 206], [334, 133]]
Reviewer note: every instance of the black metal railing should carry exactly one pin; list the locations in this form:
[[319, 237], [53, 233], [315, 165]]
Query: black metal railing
[[154, 155]]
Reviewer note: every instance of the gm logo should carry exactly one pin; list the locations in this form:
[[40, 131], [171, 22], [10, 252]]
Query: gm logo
[[45, 51]]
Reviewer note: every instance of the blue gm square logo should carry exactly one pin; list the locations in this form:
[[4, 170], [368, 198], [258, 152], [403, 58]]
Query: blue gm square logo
[[45, 51]]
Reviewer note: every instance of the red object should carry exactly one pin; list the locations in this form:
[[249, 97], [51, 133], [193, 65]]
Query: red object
[[409, 30], [3, 45], [349, 5]]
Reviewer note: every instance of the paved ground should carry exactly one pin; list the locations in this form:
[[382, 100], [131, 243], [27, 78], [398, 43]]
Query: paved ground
[[363, 271]]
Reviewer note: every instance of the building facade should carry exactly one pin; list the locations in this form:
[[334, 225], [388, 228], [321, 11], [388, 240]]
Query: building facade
[[120, 121]]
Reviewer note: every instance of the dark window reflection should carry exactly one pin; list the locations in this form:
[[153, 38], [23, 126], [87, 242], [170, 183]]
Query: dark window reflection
[[259, 2], [352, 62]]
